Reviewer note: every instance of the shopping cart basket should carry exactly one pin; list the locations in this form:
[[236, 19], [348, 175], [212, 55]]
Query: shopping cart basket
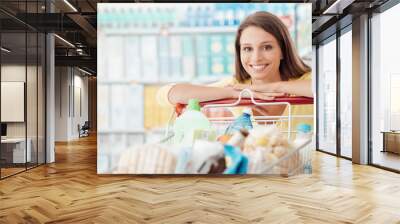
[[296, 161]]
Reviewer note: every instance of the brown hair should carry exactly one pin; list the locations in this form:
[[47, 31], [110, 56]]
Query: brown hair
[[291, 66]]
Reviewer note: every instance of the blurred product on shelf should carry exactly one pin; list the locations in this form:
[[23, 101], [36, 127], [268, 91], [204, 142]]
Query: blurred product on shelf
[[122, 16], [216, 44], [217, 66], [155, 115], [175, 53], [132, 58], [164, 57], [149, 52]]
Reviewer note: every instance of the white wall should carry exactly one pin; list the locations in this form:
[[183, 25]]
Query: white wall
[[17, 73], [71, 87], [33, 125], [13, 73], [61, 103], [81, 83]]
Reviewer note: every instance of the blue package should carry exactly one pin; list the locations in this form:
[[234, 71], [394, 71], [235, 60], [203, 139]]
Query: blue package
[[239, 162]]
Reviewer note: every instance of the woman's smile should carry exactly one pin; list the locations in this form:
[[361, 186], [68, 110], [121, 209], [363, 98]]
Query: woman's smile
[[257, 68]]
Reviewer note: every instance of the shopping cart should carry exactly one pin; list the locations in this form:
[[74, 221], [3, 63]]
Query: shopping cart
[[296, 161]]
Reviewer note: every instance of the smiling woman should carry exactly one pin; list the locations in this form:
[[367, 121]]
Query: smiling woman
[[263, 41], [266, 62]]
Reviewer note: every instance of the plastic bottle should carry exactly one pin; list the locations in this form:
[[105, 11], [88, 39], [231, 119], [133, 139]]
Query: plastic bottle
[[240, 14], [132, 18], [198, 16], [243, 121], [229, 15], [303, 135], [189, 20], [219, 15], [208, 18], [190, 121]]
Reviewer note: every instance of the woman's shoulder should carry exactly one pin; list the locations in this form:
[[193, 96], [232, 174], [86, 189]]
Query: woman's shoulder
[[305, 76]]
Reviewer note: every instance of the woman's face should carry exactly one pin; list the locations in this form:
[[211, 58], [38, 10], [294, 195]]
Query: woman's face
[[260, 54]]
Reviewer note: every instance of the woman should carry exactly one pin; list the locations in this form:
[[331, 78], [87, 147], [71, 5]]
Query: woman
[[266, 62]]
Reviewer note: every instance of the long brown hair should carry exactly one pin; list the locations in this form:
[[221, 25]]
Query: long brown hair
[[291, 66]]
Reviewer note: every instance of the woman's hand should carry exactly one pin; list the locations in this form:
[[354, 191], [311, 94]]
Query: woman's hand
[[258, 110], [282, 88], [260, 91]]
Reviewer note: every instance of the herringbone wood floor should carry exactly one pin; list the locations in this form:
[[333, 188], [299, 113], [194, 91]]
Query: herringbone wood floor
[[70, 191]]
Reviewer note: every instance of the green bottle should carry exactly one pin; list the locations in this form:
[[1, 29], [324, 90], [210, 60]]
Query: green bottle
[[189, 123]]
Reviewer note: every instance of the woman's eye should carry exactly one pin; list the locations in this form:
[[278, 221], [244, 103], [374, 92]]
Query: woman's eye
[[267, 47], [246, 49]]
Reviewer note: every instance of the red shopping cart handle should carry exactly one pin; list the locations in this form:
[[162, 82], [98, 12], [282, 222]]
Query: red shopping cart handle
[[247, 101], [298, 100]]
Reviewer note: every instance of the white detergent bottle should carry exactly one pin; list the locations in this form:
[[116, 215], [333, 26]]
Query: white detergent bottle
[[188, 122]]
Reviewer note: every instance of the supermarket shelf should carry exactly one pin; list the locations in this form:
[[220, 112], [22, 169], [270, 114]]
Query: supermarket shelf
[[132, 131], [205, 79], [158, 31], [138, 131]]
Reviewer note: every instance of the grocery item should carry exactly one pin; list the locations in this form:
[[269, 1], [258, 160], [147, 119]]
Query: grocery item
[[265, 146], [243, 121], [238, 138], [304, 135], [265, 136], [218, 166], [184, 156], [189, 121], [147, 159], [224, 138], [204, 155], [279, 151], [209, 135], [236, 162]]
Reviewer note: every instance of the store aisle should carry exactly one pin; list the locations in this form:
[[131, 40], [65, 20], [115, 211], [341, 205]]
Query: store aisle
[[71, 191]]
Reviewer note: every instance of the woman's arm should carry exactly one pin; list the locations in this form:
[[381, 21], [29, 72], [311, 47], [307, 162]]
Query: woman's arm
[[295, 87], [181, 93]]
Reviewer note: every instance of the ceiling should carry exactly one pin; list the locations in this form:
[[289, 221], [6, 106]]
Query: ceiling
[[79, 27]]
